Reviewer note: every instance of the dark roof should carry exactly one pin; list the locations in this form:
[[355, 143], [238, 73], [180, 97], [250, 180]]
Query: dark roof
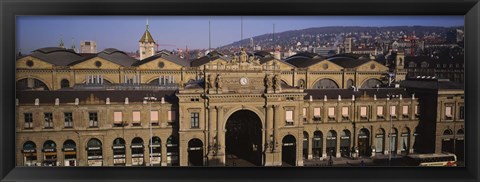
[[305, 54], [262, 54], [110, 54], [68, 96], [146, 37], [302, 62], [433, 61], [348, 62], [347, 93], [198, 84], [204, 60], [169, 57], [433, 84], [56, 55]]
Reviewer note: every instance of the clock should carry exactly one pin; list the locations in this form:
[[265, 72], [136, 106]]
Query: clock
[[243, 81]]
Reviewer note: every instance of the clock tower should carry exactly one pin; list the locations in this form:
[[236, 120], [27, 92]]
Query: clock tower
[[147, 44]]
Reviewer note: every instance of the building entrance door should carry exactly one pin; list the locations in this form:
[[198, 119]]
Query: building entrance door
[[288, 150], [243, 139], [363, 143]]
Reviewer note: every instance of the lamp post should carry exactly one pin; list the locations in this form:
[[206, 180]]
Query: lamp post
[[390, 96], [150, 98]]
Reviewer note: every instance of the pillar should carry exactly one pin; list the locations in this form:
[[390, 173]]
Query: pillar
[[128, 154], [310, 146]]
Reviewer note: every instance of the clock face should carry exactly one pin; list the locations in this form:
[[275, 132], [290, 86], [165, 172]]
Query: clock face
[[243, 81]]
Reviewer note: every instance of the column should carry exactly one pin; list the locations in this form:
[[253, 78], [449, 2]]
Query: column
[[128, 154], [324, 146], [310, 146], [146, 153], [338, 154], [164, 153], [220, 133], [269, 132]]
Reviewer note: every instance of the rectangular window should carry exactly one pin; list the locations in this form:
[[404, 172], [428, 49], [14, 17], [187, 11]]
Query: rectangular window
[[363, 112], [331, 113], [154, 117], [405, 111], [462, 112], [417, 113], [117, 118], [304, 112], [171, 116], [379, 111], [393, 112], [345, 113], [289, 117], [136, 119], [316, 114], [448, 112], [195, 116], [28, 118], [48, 119], [93, 117], [68, 119]]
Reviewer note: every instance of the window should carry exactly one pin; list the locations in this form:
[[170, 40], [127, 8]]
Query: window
[[136, 118], [195, 120], [393, 112], [154, 118], [117, 118], [316, 114], [462, 112], [448, 112], [405, 111], [289, 117], [68, 119], [93, 117], [331, 113], [363, 112], [380, 112], [345, 113], [28, 120], [417, 113], [171, 117], [304, 114], [48, 120], [64, 83]]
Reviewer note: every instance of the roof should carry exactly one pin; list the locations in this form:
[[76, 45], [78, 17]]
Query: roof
[[57, 56], [434, 84], [114, 55], [205, 59], [347, 93], [348, 62], [146, 37], [302, 62], [68, 96], [169, 57]]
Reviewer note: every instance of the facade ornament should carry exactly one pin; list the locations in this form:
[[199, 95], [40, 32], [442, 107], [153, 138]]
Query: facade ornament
[[209, 82], [234, 59], [243, 56], [250, 59], [218, 81], [276, 82], [267, 82]]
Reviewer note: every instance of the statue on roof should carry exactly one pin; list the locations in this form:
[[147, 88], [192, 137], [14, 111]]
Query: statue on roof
[[267, 82], [234, 59], [276, 82], [250, 59], [218, 81], [208, 82], [243, 56]]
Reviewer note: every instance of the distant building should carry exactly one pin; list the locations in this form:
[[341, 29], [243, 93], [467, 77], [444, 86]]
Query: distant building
[[325, 51], [146, 45], [88, 46]]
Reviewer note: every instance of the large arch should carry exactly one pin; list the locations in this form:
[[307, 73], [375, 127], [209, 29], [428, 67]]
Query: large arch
[[240, 108], [31, 83], [195, 152], [243, 139], [371, 83], [94, 152], [325, 83]]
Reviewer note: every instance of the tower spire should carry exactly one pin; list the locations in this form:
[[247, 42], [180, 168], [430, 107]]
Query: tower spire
[[61, 42], [147, 23]]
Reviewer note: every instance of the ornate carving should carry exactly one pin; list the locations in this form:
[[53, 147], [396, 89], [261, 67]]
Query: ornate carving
[[243, 56], [267, 82], [208, 83], [276, 82], [218, 81]]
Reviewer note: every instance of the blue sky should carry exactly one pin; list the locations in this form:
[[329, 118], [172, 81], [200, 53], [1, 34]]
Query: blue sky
[[123, 32]]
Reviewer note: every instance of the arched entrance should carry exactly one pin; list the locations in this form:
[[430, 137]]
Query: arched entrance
[[364, 142], [405, 137], [94, 152], [345, 143], [118, 152], [172, 151], [332, 143], [305, 145], [288, 150], [50, 153], [393, 141], [156, 148], [70, 153], [195, 152], [325, 83], [372, 83], [137, 151], [243, 139], [29, 153], [317, 144], [380, 141], [447, 141]]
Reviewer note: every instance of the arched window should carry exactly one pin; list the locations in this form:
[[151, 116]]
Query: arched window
[[331, 143], [448, 132], [317, 144], [325, 83], [156, 148], [50, 153], [195, 152], [345, 143], [405, 139], [94, 152], [305, 145], [172, 151], [29, 152], [64, 83], [31, 84], [349, 83], [70, 152], [301, 83], [372, 83], [137, 151], [460, 132], [380, 140], [119, 152]]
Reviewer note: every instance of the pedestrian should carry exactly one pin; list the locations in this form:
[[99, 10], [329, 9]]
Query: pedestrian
[[362, 163]]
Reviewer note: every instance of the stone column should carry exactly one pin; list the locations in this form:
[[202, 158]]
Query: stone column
[[128, 154], [324, 146], [220, 133], [310, 147], [164, 154], [146, 154]]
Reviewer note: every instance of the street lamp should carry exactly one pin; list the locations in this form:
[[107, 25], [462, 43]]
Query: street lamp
[[150, 98], [390, 96]]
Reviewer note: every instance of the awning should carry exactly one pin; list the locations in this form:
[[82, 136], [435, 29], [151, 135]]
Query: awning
[[49, 150], [29, 150], [70, 153], [69, 149], [137, 146]]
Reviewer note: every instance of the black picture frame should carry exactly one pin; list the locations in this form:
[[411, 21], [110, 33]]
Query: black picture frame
[[10, 9]]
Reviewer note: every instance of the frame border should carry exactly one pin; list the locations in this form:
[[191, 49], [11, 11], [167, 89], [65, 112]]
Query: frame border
[[10, 9]]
